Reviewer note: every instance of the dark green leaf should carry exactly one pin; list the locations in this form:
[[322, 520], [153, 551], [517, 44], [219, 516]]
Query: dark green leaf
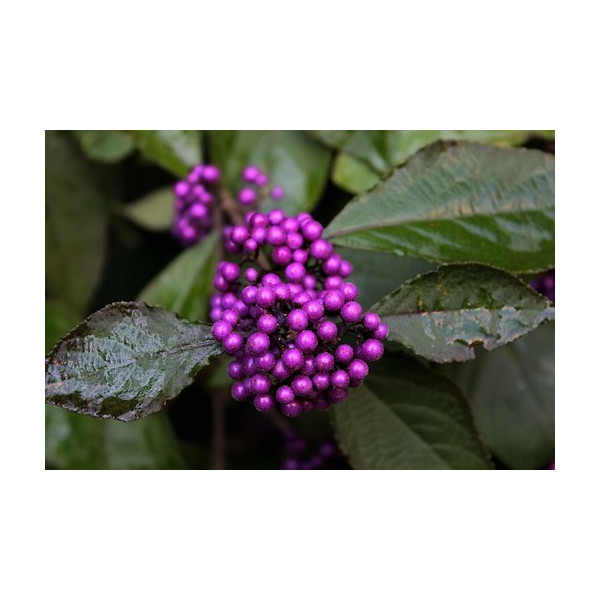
[[126, 361], [75, 224], [154, 211], [407, 417], [176, 151], [367, 155], [105, 145], [457, 203], [378, 273], [291, 159], [185, 285], [511, 391], [444, 314], [79, 442]]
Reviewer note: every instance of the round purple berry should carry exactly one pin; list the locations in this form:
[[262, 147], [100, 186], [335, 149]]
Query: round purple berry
[[233, 343], [358, 369], [277, 193], [349, 290], [234, 370], [284, 394], [333, 300], [257, 343], [260, 384], [307, 341], [314, 309], [381, 331], [321, 381], [292, 359], [276, 236], [344, 353], [293, 409], [327, 331], [230, 271], [239, 234], [221, 329], [371, 321], [321, 249], [265, 362], [281, 255], [339, 378], [250, 173], [351, 312], [263, 403], [372, 350], [297, 319], [312, 230], [267, 323], [247, 196], [302, 385], [295, 271], [324, 362], [210, 174], [265, 297], [239, 391]]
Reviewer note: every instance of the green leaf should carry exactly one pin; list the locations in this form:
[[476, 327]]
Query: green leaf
[[185, 285], [291, 159], [444, 314], [176, 151], [511, 391], [75, 224], [367, 155], [458, 203], [105, 145], [154, 211], [126, 361], [79, 442], [407, 417], [378, 273]]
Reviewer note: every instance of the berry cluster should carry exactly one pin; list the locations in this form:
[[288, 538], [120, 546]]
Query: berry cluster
[[255, 183], [195, 198], [298, 458], [299, 337]]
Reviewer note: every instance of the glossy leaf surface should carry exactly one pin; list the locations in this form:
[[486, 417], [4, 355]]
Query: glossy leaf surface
[[368, 155], [185, 285], [176, 151], [407, 417], [443, 315], [457, 203], [126, 361], [291, 159], [511, 391]]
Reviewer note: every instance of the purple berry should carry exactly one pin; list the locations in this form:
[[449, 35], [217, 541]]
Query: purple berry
[[295, 271], [327, 331], [276, 236], [247, 196], [260, 384], [277, 193], [358, 369], [381, 331], [350, 291], [344, 353], [234, 370], [351, 312], [307, 341], [267, 323], [294, 240], [371, 321], [251, 275], [324, 362], [210, 174], [372, 350], [230, 271], [263, 403], [239, 234], [321, 381], [250, 173], [297, 319], [293, 359], [265, 297], [333, 300], [302, 385], [258, 343], [232, 343], [314, 309], [293, 409], [261, 179], [265, 362], [339, 378], [281, 255], [312, 230], [239, 391], [221, 329], [321, 249], [284, 394]]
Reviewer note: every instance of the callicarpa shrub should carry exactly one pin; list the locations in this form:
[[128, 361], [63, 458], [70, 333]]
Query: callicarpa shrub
[[300, 299]]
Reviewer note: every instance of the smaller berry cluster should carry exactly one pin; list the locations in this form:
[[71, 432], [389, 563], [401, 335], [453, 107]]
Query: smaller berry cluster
[[196, 194], [194, 197], [255, 182], [297, 456], [299, 337]]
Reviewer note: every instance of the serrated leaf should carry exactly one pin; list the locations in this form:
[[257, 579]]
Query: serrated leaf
[[105, 145], [154, 211], [407, 417], [511, 391], [291, 159], [368, 155], [126, 361], [457, 203], [443, 315], [184, 286], [80, 442], [59, 319], [176, 151], [75, 224]]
